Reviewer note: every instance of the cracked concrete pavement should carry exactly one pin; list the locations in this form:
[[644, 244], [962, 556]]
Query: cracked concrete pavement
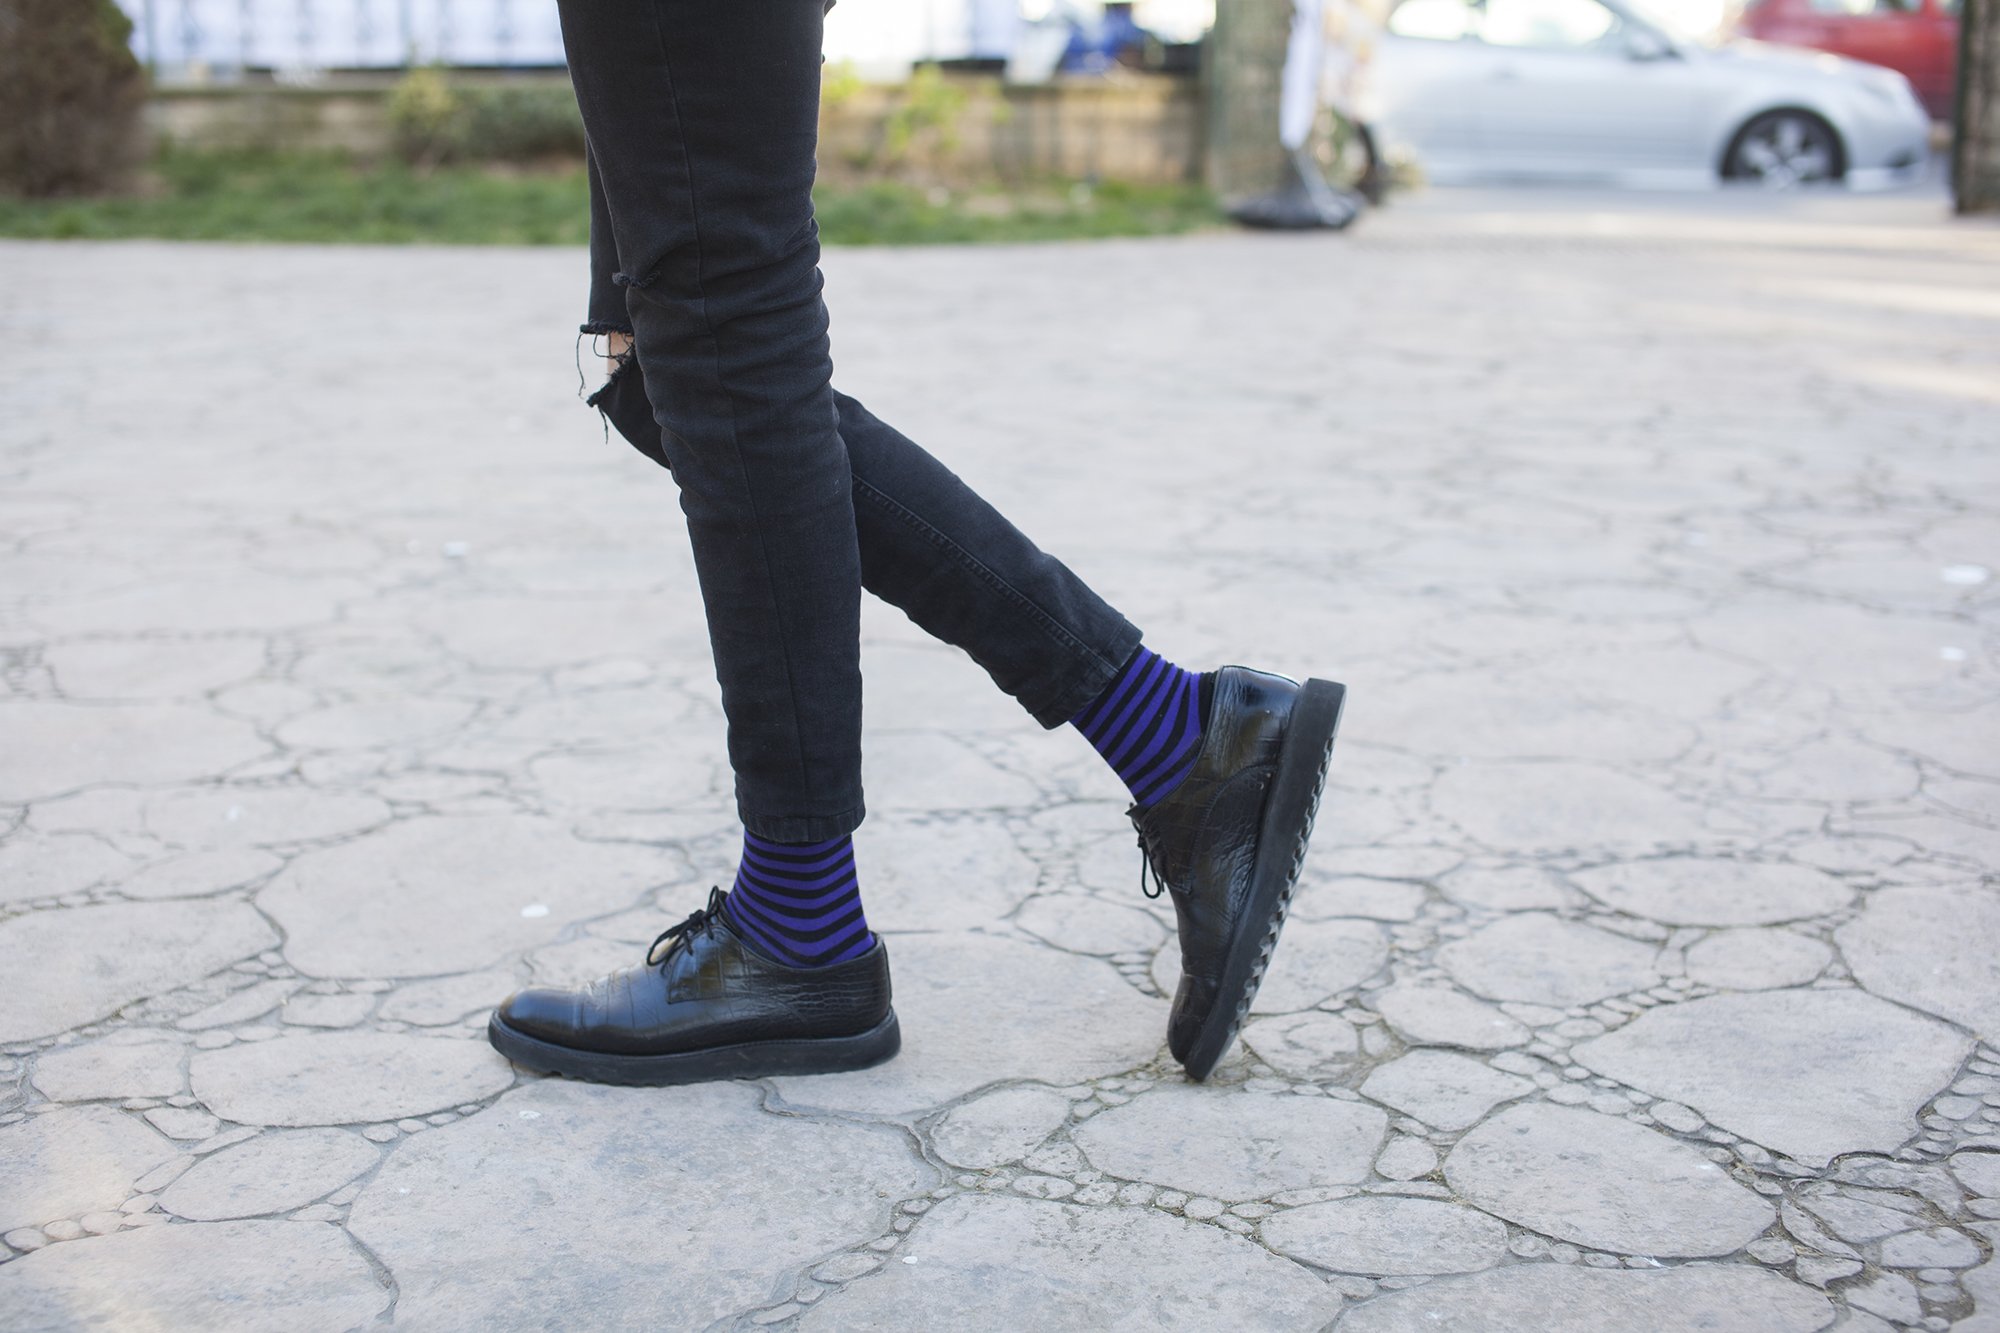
[[1645, 971]]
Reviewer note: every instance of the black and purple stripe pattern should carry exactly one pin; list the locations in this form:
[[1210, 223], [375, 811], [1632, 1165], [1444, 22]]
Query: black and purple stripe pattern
[[799, 902], [1147, 725]]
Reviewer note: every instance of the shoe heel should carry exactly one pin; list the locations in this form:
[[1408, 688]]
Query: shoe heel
[[1295, 790], [860, 1051]]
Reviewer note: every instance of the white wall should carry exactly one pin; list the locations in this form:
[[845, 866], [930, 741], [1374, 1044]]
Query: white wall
[[881, 37], [345, 33]]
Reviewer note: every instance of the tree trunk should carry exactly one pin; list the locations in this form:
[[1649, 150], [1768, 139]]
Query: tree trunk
[[1976, 144], [1242, 65]]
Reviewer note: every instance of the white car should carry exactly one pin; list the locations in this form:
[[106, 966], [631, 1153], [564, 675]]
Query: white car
[[1596, 90]]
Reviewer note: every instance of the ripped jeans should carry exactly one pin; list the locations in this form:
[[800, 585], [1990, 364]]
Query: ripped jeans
[[702, 119]]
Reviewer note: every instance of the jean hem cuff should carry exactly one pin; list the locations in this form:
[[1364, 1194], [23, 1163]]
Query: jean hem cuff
[[1086, 682], [803, 828]]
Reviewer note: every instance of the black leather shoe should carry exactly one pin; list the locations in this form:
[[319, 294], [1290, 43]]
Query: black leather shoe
[[705, 1005], [1229, 841]]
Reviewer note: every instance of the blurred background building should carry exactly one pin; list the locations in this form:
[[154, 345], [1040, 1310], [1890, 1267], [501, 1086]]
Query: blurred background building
[[882, 39]]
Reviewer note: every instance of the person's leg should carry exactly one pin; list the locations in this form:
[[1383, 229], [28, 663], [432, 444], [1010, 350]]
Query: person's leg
[[933, 548], [702, 117], [1225, 770]]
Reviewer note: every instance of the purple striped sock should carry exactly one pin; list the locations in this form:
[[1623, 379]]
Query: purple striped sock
[[799, 902], [1147, 724]]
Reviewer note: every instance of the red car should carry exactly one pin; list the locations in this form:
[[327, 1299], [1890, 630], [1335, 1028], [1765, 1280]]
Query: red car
[[1916, 38]]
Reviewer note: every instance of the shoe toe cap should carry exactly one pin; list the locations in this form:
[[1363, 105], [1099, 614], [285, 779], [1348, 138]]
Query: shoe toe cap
[[540, 1012]]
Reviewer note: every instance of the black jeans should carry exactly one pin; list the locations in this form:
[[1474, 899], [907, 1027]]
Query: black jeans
[[702, 117]]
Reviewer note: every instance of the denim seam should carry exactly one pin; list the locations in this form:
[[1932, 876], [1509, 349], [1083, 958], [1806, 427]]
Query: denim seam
[[715, 358], [1054, 628]]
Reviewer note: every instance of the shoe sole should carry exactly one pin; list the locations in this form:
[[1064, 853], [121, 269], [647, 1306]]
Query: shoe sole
[[1289, 812], [750, 1059]]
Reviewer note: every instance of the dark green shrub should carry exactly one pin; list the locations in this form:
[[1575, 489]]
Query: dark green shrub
[[925, 122], [519, 124], [435, 120], [423, 109], [70, 96]]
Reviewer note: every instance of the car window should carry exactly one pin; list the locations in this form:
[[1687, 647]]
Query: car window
[[1434, 20], [1546, 23], [1864, 8]]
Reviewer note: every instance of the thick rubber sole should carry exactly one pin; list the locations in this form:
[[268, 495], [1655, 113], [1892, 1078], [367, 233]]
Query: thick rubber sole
[[750, 1059], [1289, 811]]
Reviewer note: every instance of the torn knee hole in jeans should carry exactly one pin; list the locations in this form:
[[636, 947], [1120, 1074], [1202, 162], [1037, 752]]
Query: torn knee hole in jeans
[[611, 343]]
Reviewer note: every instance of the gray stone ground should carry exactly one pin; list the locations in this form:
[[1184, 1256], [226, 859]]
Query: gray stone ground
[[1645, 976]]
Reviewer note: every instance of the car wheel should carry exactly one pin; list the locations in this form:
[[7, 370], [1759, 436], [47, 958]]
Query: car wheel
[[1782, 149]]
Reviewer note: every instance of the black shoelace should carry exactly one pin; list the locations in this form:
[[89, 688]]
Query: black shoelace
[[698, 923]]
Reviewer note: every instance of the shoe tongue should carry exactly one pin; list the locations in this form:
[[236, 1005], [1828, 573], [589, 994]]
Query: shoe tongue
[[1207, 699]]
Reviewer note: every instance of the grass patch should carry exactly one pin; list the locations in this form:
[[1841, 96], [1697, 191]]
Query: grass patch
[[318, 197], [886, 213], [326, 197]]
